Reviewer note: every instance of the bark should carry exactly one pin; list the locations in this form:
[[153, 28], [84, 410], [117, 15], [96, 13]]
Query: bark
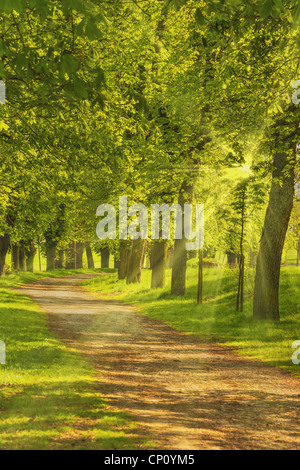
[[232, 258], [252, 258], [298, 251], [30, 252], [125, 247], [22, 258], [71, 256], [159, 258], [169, 262], [15, 257], [105, 257], [200, 278], [179, 268], [51, 255], [266, 299], [79, 255], [116, 262], [4, 245], [59, 262], [180, 254], [89, 255], [136, 261]]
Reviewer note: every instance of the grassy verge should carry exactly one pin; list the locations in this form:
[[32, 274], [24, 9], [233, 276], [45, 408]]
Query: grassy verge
[[49, 396], [216, 318]]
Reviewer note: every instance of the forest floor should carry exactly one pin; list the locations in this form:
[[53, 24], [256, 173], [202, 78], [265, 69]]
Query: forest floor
[[186, 393]]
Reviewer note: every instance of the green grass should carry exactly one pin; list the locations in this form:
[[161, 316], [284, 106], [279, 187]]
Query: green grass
[[49, 396], [216, 318]]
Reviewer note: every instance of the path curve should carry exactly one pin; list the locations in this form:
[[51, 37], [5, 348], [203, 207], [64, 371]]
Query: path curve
[[186, 393]]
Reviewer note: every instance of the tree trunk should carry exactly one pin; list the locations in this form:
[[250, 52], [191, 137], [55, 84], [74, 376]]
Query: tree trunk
[[124, 259], [59, 262], [180, 254], [30, 252], [135, 261], [71, 256], [22, 258], [169, 262], [231, 258], [266, 301], [51, 255], [4, 245], [15, 260], [89, 255], [200, 278], [79, 255], [159, 258], [105, 257]]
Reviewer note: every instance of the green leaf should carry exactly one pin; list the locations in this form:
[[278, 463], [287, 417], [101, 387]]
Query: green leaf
[[199, 16], [7, 6], [91, 30], [80, 89], [70, 63], [2, 71], [265, 9]]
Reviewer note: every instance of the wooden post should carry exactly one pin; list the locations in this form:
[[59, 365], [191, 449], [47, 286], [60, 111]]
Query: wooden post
[[200, 278]]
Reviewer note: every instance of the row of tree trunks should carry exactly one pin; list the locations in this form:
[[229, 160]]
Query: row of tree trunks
[[22, 256], [71, 258]]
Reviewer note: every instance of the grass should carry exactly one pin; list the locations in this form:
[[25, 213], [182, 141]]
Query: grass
[[216, 318], [49, 396]]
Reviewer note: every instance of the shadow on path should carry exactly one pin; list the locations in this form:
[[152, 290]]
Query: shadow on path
[[186, 393]]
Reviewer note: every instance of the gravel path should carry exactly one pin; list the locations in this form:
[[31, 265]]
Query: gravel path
[[186, 393]]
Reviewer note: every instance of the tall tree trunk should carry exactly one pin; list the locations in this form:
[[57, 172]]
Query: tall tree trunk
[[30, 252], [180, 254], [22, 257], [89, 255], [266, 301], [71, 256], [51, 255], [125, 247], [105, 257], [298, 251], [4, 245], [59, 262], [136, 261], [79, 255], [169, 262], [15, 257], [159, 258], [231, 258], [200, 278]]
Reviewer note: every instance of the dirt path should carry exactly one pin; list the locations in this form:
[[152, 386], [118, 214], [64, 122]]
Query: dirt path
[[186, 393]]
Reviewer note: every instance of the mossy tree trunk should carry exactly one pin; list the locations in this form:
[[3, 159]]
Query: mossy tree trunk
[[136, 261], [180, 254], [266, 290], [125, 248], [4, 245], [89, 255], [159, 258], [30, 252], [105, 257]]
